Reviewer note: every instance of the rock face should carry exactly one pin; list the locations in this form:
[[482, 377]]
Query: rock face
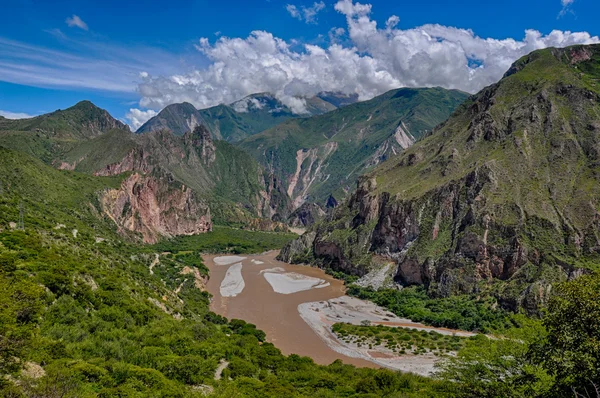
[[503, 191], [143, 204], [306, 215], [235, 187]]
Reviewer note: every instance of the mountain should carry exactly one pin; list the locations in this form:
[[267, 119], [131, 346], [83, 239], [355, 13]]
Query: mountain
[[170, 185], [86, 313], [248, 116], [56, 132], [228, 181], [323, 155], [502, 199], [179, 118]]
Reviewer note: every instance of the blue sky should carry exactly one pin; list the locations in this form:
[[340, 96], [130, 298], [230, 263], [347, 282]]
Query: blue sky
[[133, 59]]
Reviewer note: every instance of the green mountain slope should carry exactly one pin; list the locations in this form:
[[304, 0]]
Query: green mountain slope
[[47, 135], [506, 190], [174, 184], [323, 155], [235, 187]]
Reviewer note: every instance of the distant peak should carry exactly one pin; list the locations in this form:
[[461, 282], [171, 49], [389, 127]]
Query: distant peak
[[85, 104]]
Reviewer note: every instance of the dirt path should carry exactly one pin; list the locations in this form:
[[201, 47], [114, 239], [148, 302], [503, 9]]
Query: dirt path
[[219, 371], [154, 263]]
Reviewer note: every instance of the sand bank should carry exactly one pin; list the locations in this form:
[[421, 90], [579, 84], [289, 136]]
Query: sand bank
[[233, 283], [322, 315], [226, 260], [291, 282]]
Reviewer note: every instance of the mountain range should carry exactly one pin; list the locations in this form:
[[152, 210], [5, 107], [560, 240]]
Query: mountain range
[[507, 189], [323, 155], [180, 176], [243, 118]]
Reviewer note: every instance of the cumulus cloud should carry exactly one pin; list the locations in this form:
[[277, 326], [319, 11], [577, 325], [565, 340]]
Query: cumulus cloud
[[372, 60], [245, 104], [15, 115], [306, 14], [566, 7], [75, 21], [138, 117]]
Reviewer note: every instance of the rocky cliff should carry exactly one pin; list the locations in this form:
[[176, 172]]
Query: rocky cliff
[[502, 199], [145, 205], [234, 186]]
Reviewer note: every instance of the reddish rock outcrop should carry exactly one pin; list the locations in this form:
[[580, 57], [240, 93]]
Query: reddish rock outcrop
[[145, 205]]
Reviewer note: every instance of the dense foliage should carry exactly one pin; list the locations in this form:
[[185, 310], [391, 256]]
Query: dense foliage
[[571, 348], [457, 312], [227, 240]]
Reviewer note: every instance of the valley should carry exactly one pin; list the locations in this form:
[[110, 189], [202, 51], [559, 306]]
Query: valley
[[423, 243], [305, 312]]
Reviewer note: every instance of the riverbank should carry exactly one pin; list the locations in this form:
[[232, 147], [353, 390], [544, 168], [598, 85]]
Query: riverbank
[[296, 306]]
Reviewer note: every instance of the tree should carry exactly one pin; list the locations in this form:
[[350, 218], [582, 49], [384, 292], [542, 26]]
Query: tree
[[498, 366], [571, 349]]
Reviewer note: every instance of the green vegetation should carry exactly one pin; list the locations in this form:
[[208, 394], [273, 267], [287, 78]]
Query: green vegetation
[[499, 367], [227, 240], [570, 350], [558, 356], [346, 140], [462, 312], [83, 317], [399, 340]]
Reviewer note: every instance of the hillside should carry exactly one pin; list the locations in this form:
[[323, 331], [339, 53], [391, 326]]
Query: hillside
[[53, 133], [174, 184], [85, 314], [501, 199], [234, 186], [323, 155], [243, 118]]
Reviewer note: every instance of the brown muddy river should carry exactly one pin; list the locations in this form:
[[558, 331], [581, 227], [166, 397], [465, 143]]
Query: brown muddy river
[[248, 292]]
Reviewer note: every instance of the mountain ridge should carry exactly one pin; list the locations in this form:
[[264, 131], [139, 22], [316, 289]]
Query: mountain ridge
[[505, 190], [242, 118], [323, 155]]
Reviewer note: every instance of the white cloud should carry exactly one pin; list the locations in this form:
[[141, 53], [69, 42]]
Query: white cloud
[[375, 60], [293, 10], [245, 104], [137, 117], [566, 8], [75, 21], [83, 64], [15, 115], [306, 14]]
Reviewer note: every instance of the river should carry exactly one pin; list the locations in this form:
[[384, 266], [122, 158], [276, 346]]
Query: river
[[296, 305]]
